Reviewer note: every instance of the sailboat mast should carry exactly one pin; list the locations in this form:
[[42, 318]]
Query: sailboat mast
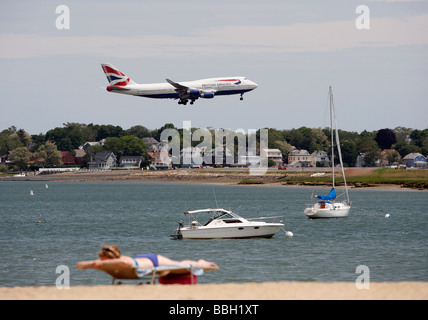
[[330, 92], [333, 113]]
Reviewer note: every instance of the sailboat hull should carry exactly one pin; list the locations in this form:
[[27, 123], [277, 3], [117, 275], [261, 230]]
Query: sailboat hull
[[328, 210]]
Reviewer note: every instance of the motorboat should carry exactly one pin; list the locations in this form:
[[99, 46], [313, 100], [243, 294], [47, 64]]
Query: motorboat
[[226, 224], [329, 206]]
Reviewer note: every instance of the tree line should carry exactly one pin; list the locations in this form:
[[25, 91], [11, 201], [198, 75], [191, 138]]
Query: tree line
[[45, 147]]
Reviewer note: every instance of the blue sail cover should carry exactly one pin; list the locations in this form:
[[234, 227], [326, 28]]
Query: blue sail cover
[[331, 195]]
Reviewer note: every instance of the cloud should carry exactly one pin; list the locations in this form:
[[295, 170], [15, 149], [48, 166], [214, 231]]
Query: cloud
[[299, 37]]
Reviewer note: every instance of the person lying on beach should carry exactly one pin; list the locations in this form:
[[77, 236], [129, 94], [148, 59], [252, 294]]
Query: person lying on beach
[[120, 266]]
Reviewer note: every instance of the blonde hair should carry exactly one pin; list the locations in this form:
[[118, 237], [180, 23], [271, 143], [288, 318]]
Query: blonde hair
[[109, 251]]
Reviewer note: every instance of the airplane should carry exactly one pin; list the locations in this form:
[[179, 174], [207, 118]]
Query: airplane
[[184, 91]]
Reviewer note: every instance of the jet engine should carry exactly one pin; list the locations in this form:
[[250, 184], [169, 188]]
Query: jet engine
[[207, 95], [193, 93]]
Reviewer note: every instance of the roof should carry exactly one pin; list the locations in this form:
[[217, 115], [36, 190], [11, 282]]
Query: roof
[[412, 156], [103, 155], [80, 153], [299, 153], [150, 140]]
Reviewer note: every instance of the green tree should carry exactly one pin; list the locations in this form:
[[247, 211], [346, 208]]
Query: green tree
[[349, 153], [319, 140], [106, 131], [371, 151], [127, 146], [12, 138], [20, 157], [404, 149], [138, 131], [48, 156]]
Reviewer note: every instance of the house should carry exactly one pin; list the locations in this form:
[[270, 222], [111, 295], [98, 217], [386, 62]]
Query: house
[[92, 143], [300, 158], [67, 158], [130, 161], [191, 157], [160, 160], [415, 160], [360, 160], [151, 143], [275, 155], [389, 157], [3, 159], [103, 161], [78, 157], [321, 157], [219, 155], [250, 159]]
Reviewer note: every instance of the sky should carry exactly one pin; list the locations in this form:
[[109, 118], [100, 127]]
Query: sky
[[294, 50]]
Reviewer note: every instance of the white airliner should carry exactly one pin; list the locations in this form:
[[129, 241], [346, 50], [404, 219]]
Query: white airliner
[[185, 91]]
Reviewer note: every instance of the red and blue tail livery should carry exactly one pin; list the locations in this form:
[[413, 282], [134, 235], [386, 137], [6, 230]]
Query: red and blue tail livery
[[183, 91]]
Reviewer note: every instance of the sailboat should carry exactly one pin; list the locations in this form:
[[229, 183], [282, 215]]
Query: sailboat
[[328, 206]]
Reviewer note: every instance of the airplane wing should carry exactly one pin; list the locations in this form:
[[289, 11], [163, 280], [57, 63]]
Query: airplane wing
[[178, 86], [187, 93]]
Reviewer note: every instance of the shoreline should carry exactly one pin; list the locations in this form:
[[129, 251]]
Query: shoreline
[[213, 176], [227, 291]]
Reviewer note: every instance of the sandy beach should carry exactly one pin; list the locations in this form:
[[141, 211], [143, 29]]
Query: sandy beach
[[229, 291]]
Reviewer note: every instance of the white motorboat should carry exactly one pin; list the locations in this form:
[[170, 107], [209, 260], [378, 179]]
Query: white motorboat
[[225, 224], [328, 206]]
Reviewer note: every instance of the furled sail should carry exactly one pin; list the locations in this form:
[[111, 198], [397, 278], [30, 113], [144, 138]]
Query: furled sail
[[330, 196]]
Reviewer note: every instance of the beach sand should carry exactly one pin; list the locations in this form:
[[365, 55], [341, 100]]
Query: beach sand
[[228, 291]]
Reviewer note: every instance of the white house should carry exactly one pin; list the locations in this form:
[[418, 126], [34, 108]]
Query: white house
[[130, 161]]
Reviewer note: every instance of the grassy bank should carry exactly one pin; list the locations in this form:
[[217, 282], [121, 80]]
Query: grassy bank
[[417, 179]]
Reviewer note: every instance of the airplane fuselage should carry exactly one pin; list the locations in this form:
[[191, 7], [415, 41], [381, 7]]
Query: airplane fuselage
[[218, 86]]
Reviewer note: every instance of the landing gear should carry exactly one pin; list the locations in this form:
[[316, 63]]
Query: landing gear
[[184, 101], [242, 97]]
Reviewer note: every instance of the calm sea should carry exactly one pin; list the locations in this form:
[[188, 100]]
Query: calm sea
[[76, 218]]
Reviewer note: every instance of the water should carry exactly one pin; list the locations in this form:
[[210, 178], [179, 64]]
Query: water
[[77, 217]]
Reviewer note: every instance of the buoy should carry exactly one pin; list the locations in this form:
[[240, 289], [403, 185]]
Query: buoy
[[31, 193], [289, 234], [46, 186], [387, 215], [38, 221]]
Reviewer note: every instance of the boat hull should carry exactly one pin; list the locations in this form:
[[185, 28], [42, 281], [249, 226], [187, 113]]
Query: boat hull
[[232, 232], [333, 210]]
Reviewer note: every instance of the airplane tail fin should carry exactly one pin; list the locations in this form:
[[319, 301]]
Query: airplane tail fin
[[115, 77]]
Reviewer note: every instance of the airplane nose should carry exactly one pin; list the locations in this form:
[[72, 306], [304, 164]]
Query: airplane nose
[[254, 85]]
